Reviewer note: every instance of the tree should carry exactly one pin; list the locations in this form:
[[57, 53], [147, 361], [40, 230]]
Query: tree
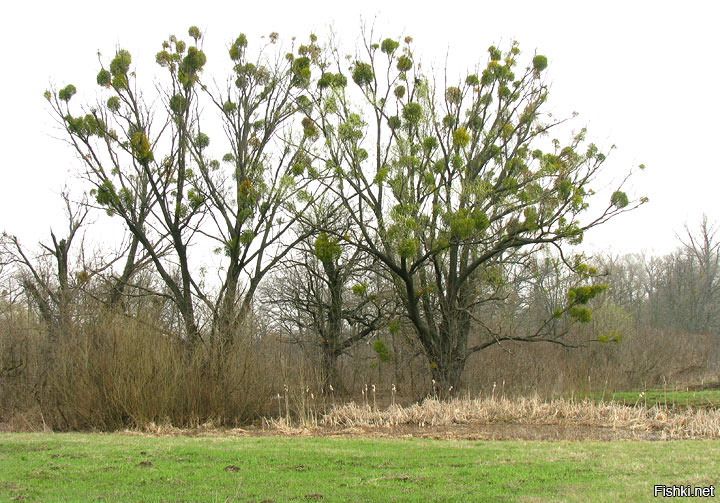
[[327, 294], [445, 182], [53, 294], [152, 167], [685, 285]]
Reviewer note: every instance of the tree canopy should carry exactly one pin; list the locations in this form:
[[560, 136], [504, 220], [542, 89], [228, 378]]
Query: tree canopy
[[450, 186]]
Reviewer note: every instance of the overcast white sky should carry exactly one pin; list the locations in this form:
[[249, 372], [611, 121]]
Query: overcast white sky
[[642, 75]]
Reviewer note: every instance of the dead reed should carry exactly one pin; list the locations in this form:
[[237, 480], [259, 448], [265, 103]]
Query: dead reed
[[668, 423]]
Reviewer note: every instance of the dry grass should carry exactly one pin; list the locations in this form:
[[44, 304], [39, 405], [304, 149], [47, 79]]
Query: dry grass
[[668, 423]]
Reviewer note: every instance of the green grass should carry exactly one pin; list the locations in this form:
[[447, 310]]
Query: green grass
[[704, 398], [111, 467]]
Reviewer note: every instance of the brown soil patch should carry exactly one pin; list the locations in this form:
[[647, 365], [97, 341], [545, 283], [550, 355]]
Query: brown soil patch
[[544, 432]]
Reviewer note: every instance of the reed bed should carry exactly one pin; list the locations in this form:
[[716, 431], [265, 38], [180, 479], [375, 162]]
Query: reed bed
[[668, 423]]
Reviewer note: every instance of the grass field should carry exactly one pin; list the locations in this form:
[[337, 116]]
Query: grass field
[[115, 467], [700, 398], [707, 398]]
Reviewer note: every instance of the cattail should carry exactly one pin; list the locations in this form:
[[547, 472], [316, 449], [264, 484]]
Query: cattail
[[287, 405]]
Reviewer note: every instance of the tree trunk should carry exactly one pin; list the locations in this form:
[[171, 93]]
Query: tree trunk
[[447, 358], [331, 344], [330, 373], [444, 341]]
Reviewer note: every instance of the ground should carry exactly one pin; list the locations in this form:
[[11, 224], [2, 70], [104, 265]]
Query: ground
[[257, 466]]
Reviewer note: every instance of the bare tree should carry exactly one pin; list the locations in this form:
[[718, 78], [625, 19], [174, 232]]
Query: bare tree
[[327, 294], [150, 165]]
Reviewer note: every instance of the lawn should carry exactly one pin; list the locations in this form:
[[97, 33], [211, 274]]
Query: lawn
[[116, 467]]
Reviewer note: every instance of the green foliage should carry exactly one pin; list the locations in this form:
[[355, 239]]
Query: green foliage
[[85, 126], [196, 199], [584, 294], [194, 32], [394, 122], [399, 92], [325, 80], [481, 220], [382, 351], [178, 104], [309, 128], [245, 190], [202, 141], [531, 218], [164, 58], [105, 194], [104, 78], [351, 129], [389, 45], [340, 80], [332, 80], [539, 63], [462, 226], [230, 247], [407, 248], [564, 188], [453, 95], [247, 236], [326, 249], [229, 107], [362, 74], [429, 144], [486, 77], [412, 113], [404, 63], [120, 64], [191, 65], [67, 92], [360, 289], [581, 314], [141, 147], [613, 336], [461, 138], [394, 326], [301, 71], [113, 103], [237, 49], [619, 199]]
